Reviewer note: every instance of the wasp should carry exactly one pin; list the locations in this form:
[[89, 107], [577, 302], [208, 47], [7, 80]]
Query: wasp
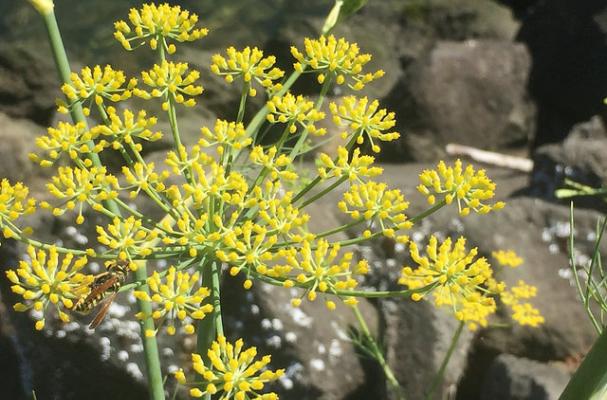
[[103, 288]]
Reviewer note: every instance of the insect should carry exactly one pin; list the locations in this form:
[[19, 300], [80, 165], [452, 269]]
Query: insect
[[104, 288]]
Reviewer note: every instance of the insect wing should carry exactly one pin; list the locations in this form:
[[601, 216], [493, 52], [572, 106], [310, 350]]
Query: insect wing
[[102, 311]]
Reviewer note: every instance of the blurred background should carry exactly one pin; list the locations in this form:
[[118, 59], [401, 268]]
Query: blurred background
[[521, 78]]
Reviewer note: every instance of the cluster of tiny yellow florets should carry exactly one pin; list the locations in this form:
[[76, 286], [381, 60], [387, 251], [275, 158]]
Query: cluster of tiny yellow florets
[[156, 24], [128, 237], [122, 131], [375, 203], [458, 279], [454, 276], [248, 64], [364, 120], [170, 80], [75, 140], [95, 85], [522, 312], [353, 166], [45, 280], [469, 188], [507, 258], [174, 298], [14, 203], [226, 134], [231, 372], [337, 59], [276, 164], [79, 186], [321, 269], [293, 110]]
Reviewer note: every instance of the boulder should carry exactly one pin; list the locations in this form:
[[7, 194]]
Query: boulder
[[567, 80], [28, 83], [471, 93], [580, 157], [18, 140], [513, 378]]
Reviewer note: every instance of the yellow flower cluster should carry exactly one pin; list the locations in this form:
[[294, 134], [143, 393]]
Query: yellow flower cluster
[[471, 189], [128, 237], [292, 110], [364, 119], [248, 64], [321, 268], [374, 202], [44, 280], [14, 203], [277, 166], [124, 130], [174, 299], [507, 258], [95, 85], [354, 167], [454, 276], [170, 80], [226, 134], [523, 313], [231, 373], [73, 140], [77, 186], [141, 176], [157, 23], [337, 59]]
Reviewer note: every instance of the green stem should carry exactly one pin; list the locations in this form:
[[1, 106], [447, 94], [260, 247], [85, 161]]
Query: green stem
[[258, 119], [377, 354], [243, 101], [149, 343], [429, 211], [590, 379], [324, 191], [212, 326], [321, 98], [441, 372]]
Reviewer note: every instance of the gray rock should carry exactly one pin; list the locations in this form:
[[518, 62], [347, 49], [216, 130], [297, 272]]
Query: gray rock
[[580, 157], [18, 140], [471, 93], [566, 40], [513, 378], [28, 84]]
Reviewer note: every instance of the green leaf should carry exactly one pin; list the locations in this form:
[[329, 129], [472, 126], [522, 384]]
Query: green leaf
[[341, 10]]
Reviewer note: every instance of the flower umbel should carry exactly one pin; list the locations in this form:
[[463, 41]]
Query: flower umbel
[[158, 23], [289, 109], [248, 64], [375, 203], [171, 79], [73, 140], [95, 85], [123, 130], [364, 119], [322, 270], [335, 58], [523, 313], [77, 186], [454, 277], [14, 203], [44, 280], [471, 189], [175, 298], [231, 373], [507, 258], [128, 237]]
